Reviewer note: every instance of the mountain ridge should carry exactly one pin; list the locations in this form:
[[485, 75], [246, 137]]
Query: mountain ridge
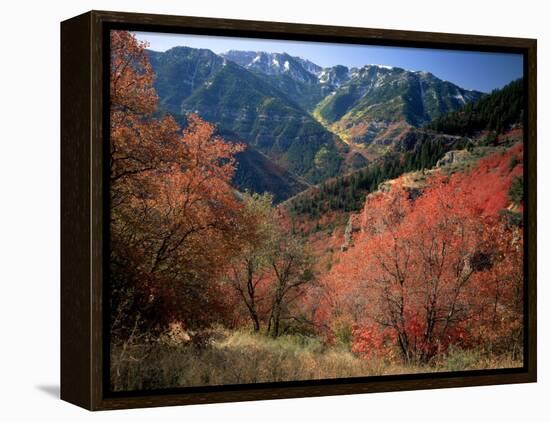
[[313, 122]]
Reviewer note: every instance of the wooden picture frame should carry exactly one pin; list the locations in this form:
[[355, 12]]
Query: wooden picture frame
[[84, 96]]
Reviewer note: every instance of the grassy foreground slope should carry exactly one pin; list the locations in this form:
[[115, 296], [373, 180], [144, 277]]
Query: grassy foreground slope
[[242, 357]]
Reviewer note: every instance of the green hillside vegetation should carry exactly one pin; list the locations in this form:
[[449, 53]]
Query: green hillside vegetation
[[494, 112], [179, 71], [239, 101], [257, 173], [379, 93], [306, 95], [347, 193]]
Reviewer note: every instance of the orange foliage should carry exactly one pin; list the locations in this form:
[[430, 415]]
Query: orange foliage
[[174, 215]]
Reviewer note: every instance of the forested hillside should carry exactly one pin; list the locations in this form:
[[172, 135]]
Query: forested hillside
[[420, 149], [494, 112], [348, 192]]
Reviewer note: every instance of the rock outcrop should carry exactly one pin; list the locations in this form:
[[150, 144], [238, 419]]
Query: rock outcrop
[[352, 227], [454, 157]]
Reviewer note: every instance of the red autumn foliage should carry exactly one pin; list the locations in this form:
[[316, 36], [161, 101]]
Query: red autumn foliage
[[369, 340], [439, 270]]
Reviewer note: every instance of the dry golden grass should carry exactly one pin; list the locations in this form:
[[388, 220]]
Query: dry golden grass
[[242, 358]]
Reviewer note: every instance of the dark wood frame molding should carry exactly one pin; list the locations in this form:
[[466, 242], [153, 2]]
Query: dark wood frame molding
[[84, 138]]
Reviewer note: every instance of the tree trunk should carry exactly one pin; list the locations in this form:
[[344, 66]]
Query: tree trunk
[[276, 321], [252, 297], [255, 321]]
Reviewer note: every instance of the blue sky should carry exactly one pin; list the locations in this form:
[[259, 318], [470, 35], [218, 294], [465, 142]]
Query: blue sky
[[471, 70]]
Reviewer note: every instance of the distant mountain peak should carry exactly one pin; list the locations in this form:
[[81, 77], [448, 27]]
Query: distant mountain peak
[[275, 64]]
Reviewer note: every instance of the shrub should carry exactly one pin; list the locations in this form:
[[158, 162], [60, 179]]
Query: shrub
[[515, 194]]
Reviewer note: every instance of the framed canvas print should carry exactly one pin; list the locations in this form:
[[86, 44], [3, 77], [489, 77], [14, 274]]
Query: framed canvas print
[[258, 210]]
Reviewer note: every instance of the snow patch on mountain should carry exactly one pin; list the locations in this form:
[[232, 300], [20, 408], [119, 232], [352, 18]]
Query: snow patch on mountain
[[460, 97]]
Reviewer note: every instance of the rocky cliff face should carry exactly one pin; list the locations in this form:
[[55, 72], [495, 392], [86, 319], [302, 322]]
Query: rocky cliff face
[[353, 226]]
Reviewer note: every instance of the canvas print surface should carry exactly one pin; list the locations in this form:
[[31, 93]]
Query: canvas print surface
[[294, 211]]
